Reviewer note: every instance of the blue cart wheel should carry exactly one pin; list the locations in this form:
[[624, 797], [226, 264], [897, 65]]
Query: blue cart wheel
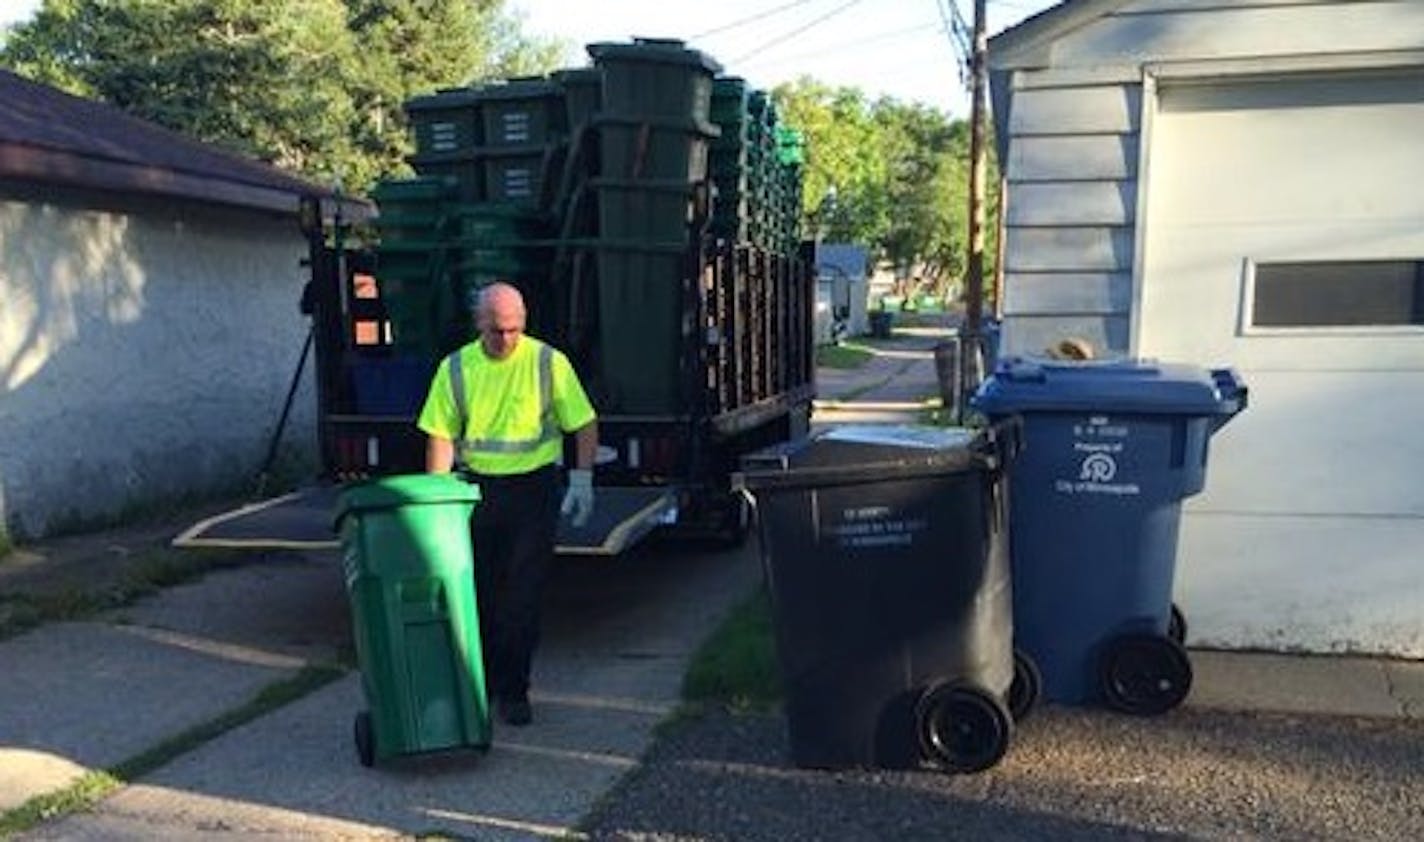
[[962, 728], [1027, 688], [365, 739], [1145, 674], [1177, 625]]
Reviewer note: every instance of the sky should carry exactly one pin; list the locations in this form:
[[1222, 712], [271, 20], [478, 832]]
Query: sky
[[897, 48]]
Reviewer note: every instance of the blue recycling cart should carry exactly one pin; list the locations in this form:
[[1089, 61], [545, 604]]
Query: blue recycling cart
[[1111, 449]]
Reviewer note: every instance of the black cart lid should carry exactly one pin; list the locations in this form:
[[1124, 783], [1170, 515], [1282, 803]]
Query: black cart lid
[[864, 453]]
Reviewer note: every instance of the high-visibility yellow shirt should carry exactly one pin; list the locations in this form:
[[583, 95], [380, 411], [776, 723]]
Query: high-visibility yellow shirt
[[515, 410]]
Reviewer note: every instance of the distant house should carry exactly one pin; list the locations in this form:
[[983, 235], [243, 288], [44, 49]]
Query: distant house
[[149, 321], [1241, 182], [842, 290]]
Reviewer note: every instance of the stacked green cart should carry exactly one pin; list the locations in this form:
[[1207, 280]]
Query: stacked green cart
[[598, 191], [413, 261], [653, 134]]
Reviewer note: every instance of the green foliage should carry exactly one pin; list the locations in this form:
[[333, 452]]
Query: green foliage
[[313, 86], [889, 174], [842, 356], [737, 666]]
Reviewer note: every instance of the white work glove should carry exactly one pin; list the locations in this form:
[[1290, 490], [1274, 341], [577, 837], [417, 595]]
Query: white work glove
[[578, 500]]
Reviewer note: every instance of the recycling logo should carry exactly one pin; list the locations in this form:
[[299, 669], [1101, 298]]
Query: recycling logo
[[1098, 467]]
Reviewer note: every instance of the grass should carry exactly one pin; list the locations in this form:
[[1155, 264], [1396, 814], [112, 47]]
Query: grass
[[93, 787], [736, 666], [844, 355], [145, 574]]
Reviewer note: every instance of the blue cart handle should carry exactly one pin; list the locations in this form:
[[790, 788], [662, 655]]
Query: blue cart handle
[[1003, 441], [1231, 388]]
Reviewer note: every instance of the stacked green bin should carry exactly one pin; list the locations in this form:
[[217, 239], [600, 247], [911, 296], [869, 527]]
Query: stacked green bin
[[448, 121], [583, 94], [520, 174], [412, 260], [730, 162], [655, 77], [654, 148], [449, 131], [409, 574], [641, 294], [790, 157], [524, 111], [504, 242], [465, 169], [654, 130], [525, 128], [760, 156]]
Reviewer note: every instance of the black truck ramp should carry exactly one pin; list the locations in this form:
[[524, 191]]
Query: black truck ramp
[[304, 520]]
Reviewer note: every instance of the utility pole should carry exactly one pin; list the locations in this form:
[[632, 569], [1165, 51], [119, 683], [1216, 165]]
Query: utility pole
[[970, 335]]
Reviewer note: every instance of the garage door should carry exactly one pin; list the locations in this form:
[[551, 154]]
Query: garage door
[[1285, 236]]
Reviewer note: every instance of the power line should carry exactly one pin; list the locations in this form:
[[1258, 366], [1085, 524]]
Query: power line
[[927, 28], [780, 38], [750, 19], [959, 37]]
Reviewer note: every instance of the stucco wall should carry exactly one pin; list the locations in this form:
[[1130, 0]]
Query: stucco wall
[[145, 350]]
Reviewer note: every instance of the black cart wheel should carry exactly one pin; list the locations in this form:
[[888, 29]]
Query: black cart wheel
[[1027, 688], [1177, 625], [365, 739], [1145, 674], [962, 728]]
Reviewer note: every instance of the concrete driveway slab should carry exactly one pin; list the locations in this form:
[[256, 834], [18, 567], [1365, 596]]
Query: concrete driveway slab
[[82, 696], [1406, 685], [291, 603], [295, 773], [617, 641], [1291, 684]]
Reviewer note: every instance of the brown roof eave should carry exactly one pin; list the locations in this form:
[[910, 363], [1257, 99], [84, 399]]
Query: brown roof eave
[[38, 164]]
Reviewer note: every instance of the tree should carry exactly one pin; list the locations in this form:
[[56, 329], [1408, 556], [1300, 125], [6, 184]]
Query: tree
[[888, 174], [411, 47], [314, 86]]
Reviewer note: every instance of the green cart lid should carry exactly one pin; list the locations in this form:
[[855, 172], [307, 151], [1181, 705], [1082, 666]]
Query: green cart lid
[[404, 490], [443, 99], [519, 87], [578, 75], [731, 87], [656, 50]]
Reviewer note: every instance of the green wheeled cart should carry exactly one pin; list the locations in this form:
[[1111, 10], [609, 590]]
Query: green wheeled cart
[[409, 573]]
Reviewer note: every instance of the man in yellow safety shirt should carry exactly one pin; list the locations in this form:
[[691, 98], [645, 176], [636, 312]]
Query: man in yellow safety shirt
[[497, 412]]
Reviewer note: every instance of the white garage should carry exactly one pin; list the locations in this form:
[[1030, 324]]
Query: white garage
[[1242, 183]]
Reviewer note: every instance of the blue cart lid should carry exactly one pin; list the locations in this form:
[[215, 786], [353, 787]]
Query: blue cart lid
[[1117, 386]]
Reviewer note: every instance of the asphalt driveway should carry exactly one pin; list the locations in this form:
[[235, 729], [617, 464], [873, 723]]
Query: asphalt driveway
[[1071, 774]]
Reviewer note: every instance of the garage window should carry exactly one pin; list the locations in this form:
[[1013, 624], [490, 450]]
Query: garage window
[[1338, 294]]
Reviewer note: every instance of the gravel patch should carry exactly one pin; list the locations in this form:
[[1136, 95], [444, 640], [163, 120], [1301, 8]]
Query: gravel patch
[[1071, 774]]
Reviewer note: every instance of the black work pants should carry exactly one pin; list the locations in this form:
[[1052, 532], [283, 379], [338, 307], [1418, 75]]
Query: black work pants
[[513, 533]]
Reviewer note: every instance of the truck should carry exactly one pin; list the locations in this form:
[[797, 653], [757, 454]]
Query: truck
[[655, 240]]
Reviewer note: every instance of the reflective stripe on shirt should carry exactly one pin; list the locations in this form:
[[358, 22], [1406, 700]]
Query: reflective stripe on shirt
[[549, 427]]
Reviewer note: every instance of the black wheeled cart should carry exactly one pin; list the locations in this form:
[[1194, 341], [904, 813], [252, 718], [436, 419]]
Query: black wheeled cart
[[886, 557]]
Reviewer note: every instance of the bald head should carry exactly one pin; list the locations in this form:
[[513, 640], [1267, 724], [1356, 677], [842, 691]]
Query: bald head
[[500, 316]]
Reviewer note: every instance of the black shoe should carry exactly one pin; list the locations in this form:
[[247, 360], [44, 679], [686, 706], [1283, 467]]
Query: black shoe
[[515, 710]]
